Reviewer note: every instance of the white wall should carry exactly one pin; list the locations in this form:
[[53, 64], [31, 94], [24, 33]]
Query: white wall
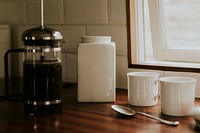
[[75, 18]]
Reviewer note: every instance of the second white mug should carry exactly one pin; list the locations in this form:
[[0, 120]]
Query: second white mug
[[177, 95]]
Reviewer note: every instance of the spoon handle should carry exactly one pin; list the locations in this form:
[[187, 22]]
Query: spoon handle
[[172, 123]]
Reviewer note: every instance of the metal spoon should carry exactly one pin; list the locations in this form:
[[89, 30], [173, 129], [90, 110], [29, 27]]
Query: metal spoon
[[129, 112]]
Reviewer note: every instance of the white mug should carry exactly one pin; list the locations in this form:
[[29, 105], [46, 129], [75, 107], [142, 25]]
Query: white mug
[[177, 95], [142, 88]]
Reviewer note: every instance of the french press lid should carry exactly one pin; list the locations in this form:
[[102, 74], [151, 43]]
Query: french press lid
[[42, 36]]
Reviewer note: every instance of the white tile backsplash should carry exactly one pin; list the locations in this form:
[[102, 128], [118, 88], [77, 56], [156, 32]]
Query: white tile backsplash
[[72, 35], [5, 44], [64, 66], [71, 67], [122, 69], [117, 12], [53, 12], [85, 12], [5, 34], [12, 12], [74, 18], [117, 32]]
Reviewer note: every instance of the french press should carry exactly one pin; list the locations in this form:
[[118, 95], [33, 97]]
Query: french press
[[42, 70]]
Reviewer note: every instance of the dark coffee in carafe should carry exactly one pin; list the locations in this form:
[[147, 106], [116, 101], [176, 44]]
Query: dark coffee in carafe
[[42, 87]]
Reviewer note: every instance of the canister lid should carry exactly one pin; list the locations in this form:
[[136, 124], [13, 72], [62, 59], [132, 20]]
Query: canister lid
[[92, 39], [42, 36]]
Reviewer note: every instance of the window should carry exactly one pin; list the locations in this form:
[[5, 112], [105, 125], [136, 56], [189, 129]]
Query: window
[[164, 33]]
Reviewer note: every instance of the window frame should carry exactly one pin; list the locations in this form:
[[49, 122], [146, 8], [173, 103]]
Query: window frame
[[135, 36]]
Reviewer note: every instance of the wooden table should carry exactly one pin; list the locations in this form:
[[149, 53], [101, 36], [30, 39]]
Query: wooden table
[[89, 118]]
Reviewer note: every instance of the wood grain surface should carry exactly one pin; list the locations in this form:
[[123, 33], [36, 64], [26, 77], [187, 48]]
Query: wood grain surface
[[89, 118]]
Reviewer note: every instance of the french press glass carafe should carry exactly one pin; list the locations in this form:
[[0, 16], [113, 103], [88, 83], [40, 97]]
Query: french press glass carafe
[[42, 70]]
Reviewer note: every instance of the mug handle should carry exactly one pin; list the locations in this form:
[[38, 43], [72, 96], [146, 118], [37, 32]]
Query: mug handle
[[156, 96], [7, 94]]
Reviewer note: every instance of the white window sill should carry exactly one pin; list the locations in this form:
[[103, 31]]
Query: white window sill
[[172, 64], [167, 66]]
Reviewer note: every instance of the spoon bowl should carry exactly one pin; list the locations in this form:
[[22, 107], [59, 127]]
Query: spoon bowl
[[123, 110], [129, 112]]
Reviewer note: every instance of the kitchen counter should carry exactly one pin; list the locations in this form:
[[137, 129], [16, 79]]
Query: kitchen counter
[[89, 118]]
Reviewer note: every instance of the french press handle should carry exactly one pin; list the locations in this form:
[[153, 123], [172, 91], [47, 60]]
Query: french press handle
[[7, 94]]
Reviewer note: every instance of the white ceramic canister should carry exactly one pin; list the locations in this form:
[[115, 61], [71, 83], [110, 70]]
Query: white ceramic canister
[[96, 69]]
